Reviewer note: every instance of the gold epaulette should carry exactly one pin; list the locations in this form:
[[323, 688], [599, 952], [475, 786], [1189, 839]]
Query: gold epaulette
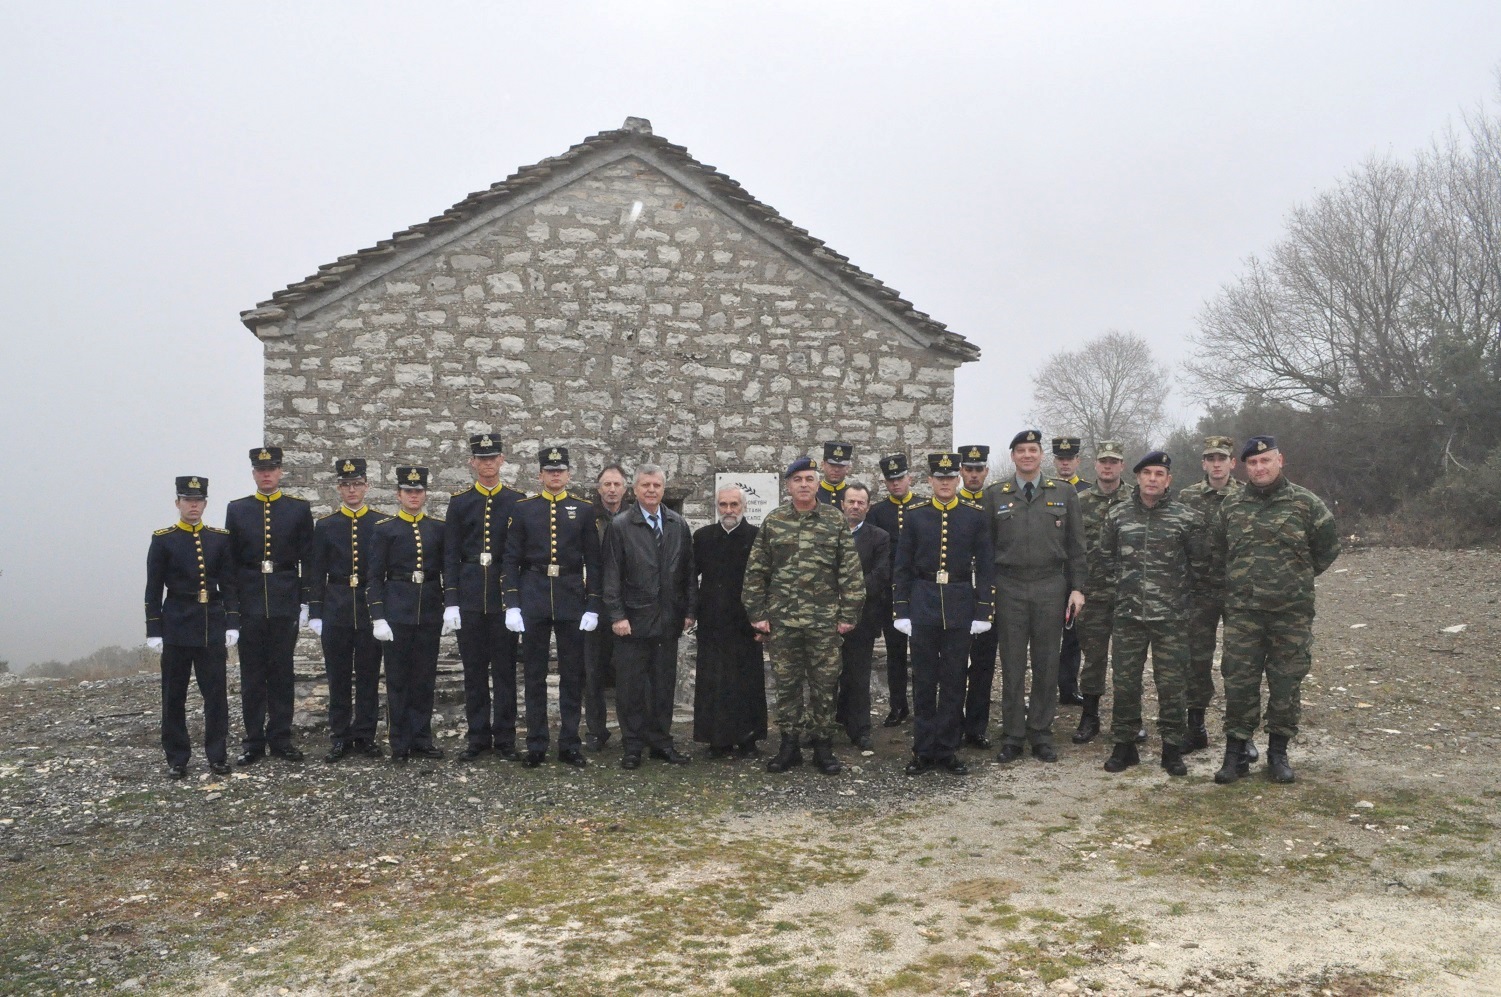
[[216, 529], [461, 491], [163, 532]]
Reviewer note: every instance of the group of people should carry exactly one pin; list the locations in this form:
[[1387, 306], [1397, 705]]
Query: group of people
[[1015, 569]]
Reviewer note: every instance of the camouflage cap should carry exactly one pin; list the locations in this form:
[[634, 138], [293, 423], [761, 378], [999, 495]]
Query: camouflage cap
[[1109, 448], [1222, 445]]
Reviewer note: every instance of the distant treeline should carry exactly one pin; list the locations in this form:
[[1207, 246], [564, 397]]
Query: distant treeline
[[107, 662]]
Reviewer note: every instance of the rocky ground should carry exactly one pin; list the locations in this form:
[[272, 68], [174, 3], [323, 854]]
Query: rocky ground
[[1374, 874]]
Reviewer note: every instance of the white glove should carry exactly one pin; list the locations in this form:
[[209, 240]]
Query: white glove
[[513, 621], [979, 627], [316, 626], [588, 622], [302, 617], [903, 626], [154, 644], [451, 620], [382, 630], [231, 638]]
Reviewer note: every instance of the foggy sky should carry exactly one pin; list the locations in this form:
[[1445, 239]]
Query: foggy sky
[[1028, 175]]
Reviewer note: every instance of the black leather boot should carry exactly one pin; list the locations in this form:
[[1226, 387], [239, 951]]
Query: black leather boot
[[1198, 734], [1089, 720], [1276, 759], [823, 757], [788, 755], [1172, 759], [1235, 764], [1123, 757], [1250, 752]]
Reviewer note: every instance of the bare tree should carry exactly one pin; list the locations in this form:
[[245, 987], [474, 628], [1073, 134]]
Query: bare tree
[[1111, 388]]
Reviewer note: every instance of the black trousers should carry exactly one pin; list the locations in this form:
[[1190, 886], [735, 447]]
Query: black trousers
[[896, 666], [647, 670], [178, 665], [599, 673], [939, 659], [534, 645], [411, 680], [488, 651], [266, 646], [980, 678], [1068, 662], [852, 705], [351, 657]]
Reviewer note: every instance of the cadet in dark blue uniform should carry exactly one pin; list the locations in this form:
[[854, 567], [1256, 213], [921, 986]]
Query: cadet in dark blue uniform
[[337, 613], [552, 578], [979, 678], [192, 618], [473, 552], [1067, 450], [837, 458], [271, 540], [945, 571], [890, 514], [407, 595]]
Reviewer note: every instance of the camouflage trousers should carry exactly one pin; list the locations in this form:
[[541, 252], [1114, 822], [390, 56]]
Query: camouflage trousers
[[1279, 645], [1168, 642], [1204, 613], [1094, 640], [805, 662]]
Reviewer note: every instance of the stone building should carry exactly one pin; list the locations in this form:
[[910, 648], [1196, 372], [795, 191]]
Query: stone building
[[622, 299]]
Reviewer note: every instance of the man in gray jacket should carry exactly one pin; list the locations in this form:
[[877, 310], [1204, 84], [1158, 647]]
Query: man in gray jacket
[[649, 593]]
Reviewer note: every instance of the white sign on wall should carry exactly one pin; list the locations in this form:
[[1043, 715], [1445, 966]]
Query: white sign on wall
[[763, 492]]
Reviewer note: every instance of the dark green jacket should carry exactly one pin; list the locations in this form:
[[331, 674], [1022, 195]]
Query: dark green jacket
[[1155, 555], [803, 570], [1093, 507], [1210, 501], [1274, 542]]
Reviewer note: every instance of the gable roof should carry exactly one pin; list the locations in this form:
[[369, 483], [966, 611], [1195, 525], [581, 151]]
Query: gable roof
[[347, 273]]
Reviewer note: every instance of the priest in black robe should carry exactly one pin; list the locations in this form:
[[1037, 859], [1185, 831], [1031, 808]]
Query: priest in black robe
[[729, 699]]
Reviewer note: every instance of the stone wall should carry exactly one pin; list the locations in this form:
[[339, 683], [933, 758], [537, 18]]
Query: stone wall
[[679, 337]]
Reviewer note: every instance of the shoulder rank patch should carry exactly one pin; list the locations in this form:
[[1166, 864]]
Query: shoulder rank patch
[[163, 532], [386, 520], [1007, 487], [1050, 484], [462, 491], [216, 529]]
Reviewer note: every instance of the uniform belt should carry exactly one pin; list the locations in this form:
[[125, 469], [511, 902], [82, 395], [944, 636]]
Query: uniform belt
[[276, 566], [192, 596], [954, 577], [339, 579], [474, 559], [562, 573], [406, 576]]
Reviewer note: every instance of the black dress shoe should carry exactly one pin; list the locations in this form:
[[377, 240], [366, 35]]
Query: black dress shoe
[[427, 751], [177, 771], [747, 749], [720, 752], [1044, 753], [534, 758], [249, 757], [1009, 753], [977, 741], [338, 751], [631, 761], [472, 752], [671, 755], [919, 765], [287, 754], [574, 757], [597, 742], [507, 752], [400, 758], [954, 765], [219, 768], [896, 716]]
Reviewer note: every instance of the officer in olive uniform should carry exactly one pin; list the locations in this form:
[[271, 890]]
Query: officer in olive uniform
[[1039, 556], [837, 458], [408, 593], [473, 551], [945, 570], [192, 619], [271, 539], [974, 468], [338, 614], [890, 514], [1067, 452], [552, 588]]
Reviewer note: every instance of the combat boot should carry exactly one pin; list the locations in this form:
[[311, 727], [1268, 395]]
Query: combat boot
[[1250, 751], [1235, 764], [1276, 759], [1089, 720], [1198, 734], [823, 757], [788, 755], [1172, 759], [1123, 757]]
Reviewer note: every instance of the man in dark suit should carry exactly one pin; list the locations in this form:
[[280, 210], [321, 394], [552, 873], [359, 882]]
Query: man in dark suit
[[610, 500], [890, 514], [649, 594], [873, 544]]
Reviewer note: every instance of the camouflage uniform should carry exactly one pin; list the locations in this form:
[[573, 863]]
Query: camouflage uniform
[[1155, 557], [804, 577], [1273, 543], [1099, 592], [1206, 604]]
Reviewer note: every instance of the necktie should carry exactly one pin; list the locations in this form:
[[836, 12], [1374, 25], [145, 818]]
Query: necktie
[[656, 526], [1027, 488]]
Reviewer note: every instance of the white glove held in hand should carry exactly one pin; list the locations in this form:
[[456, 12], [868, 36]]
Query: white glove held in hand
[[979, 626], [451, 620], [904, 626], [588, 622], [231, 638], [316, 626], [154, 644], [513, 621], [302, 617], [382, 630]]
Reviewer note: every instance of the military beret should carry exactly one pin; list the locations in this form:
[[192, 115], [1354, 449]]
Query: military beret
[[1157, 458], [893, 466], [1066, 446], [553, 459], [349, 468], [1258, 444], [1109, 448], [485, 445], [1026, 436], [943, 465], [974, 455], [264, 457], [411, 477], [1223, 445], [835, 452], [801, 464], [192, 486]]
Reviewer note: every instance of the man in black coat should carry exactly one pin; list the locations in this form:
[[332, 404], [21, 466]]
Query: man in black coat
[[649, 595], [610, 500], [729, 689], [873, 544], [271, 541], [890, 514]]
